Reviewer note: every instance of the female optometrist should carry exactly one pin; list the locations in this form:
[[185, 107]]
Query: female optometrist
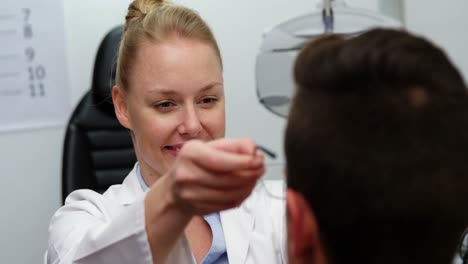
[[192, 196]]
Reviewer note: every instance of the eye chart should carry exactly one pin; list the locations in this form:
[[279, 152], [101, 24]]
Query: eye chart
[[34, 90]]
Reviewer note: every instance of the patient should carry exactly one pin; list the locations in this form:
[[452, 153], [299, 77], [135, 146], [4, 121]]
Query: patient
[[376, 148]]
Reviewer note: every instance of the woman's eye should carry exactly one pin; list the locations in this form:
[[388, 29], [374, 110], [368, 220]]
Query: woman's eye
[[209, 100], [164, 106]]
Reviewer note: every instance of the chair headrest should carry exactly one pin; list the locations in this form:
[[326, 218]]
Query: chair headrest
[[104, 70]]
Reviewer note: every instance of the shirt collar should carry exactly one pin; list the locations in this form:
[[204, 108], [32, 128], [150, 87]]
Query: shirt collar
[[142, 182]]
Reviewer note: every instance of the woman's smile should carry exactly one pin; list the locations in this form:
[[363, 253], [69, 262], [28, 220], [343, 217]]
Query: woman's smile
[[173, 149]]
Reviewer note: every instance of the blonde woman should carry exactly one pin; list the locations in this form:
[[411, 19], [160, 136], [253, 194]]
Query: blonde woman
[[192, 196]]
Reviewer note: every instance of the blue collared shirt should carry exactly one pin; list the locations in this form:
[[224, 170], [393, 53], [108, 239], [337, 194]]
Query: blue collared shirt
[[217, 253]]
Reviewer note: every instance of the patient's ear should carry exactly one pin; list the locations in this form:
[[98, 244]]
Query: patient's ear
[[304, 244], [120, 106]]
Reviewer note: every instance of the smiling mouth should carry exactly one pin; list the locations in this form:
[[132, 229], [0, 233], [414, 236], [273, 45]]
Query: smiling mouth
[[173, 150]]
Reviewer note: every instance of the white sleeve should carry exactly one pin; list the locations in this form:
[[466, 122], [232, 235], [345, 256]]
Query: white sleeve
[[91, 229]]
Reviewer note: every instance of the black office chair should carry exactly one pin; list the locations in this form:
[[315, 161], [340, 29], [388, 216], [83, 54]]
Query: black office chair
[[98, 151]]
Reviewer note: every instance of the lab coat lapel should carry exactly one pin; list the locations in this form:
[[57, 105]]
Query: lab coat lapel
[[237, 226], [131, 189]]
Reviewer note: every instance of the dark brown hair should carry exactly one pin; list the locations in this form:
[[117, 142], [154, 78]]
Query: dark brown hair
[[377, 142]]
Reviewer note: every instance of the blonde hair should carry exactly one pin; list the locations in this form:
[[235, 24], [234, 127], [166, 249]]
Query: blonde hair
[[157, 20]]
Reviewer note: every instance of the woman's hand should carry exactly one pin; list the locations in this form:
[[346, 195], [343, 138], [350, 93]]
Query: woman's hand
[[213, 176], [206, 177]]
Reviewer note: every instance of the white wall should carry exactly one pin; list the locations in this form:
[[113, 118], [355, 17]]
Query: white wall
[[31, 160]]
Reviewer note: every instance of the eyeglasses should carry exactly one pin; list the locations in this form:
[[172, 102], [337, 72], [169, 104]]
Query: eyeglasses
[[268, 152], [273, 189]]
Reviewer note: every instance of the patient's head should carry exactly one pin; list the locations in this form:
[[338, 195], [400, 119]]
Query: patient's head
[[376, 147]]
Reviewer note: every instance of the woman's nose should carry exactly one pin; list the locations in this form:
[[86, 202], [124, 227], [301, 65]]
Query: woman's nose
[[191, 125]]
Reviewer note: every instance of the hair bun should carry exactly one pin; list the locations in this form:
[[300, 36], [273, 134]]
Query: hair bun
[[138, 9]]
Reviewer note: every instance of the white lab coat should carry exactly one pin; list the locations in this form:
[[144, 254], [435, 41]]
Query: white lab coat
[[110, 228]]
